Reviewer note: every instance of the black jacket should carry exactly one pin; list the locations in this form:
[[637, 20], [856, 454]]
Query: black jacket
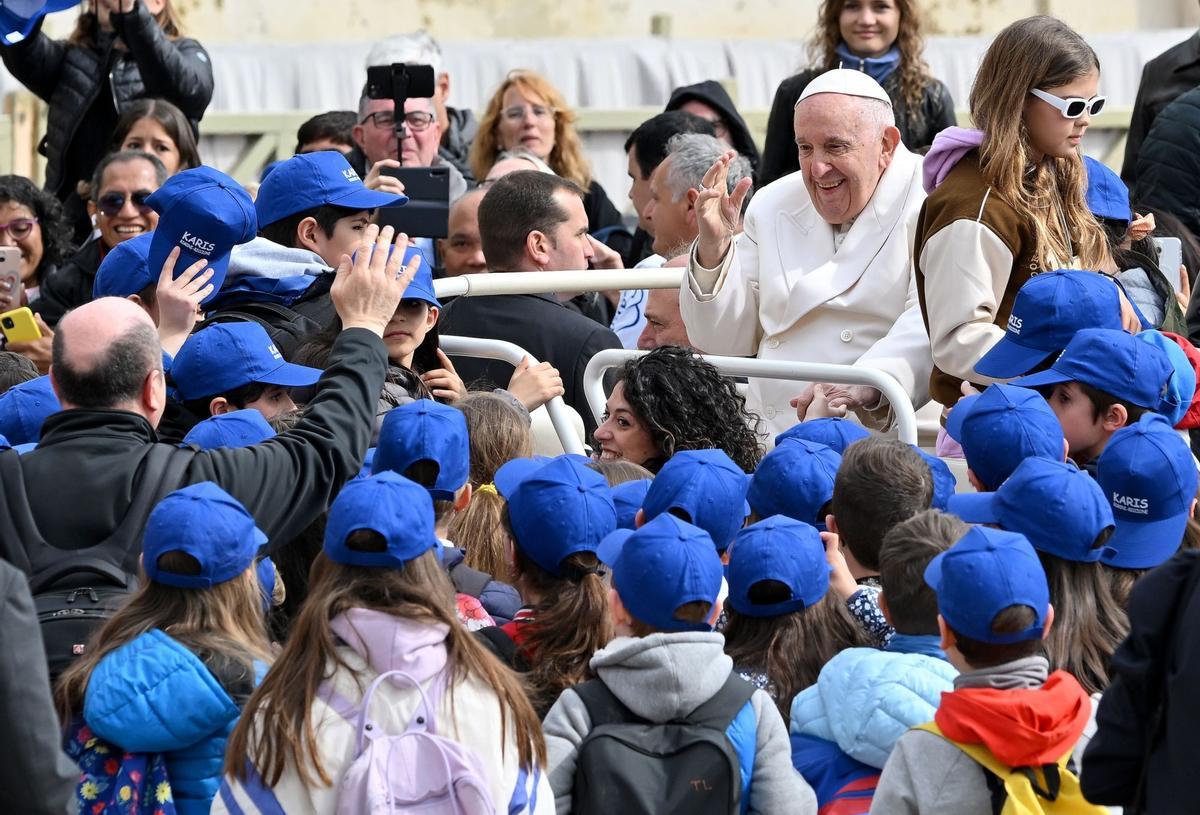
[[917, 127], [1164, 79], [541, 325], [83, 475], [601, 212], [1149, 717], [37, 778], [70, 285], [713, 94], [88, 88], [1168, 163]]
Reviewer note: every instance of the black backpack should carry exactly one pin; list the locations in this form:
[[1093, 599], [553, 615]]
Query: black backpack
[[76, 590], [287, 328], [629, 765]]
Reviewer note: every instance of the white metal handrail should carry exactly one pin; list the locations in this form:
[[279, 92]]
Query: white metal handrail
[[473, 285], [906, 418], [514, 354]]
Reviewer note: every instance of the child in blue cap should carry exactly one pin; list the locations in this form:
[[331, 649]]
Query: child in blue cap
[[840, 748], [558, 513], [427, 442], [666, 665], [23, 409], [703, 487], [377, 650], [191, 639], [835, 433], [1007, 709], [1104, 380], [782, 622], [1149, 478], [1062, 511], [1000, 428], [795, 479]]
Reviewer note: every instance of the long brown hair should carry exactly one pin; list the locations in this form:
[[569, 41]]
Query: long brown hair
[[570, 623], [498, 434], [1037, 52], [791, 648], [566, 158], [1122, 580], [1089, 624], [87, 27], [226, 619], [277, 729], [912, 70]]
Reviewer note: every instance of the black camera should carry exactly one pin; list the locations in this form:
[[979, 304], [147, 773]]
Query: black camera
[[8, 323]]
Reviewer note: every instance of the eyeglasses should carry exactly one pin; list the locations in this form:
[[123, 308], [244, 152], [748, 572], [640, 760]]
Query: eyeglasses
[[20, 228], [540, 112], [113, 202], [417, 120], [1073, 106]]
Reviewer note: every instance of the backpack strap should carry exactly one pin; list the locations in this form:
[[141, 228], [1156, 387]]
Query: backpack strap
[[355, 713], [603, 706], [719, 711]]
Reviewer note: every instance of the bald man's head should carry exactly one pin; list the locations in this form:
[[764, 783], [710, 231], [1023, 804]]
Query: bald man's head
[[462, 249], [104, 353]]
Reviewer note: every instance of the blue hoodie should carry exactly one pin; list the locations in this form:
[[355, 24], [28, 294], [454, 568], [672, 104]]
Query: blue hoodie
[[153, 695]]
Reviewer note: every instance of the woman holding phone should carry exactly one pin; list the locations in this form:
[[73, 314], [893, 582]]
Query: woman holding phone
[[33, 233]]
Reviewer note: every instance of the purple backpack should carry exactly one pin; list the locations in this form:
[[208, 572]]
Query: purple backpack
[[414, 771]]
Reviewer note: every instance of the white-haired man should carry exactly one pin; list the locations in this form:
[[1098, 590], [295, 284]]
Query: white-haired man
[[823, 269]]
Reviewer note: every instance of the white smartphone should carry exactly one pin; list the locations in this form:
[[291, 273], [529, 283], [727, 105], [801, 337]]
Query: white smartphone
[[1170, 258], [12, 290]]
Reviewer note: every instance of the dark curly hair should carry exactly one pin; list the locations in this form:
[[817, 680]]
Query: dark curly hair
[[56, 234], [688, 405]]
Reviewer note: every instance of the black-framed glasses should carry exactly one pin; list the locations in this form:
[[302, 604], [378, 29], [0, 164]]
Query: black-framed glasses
[[416, 121], [18, 228], [110, 203], [1071, 107]]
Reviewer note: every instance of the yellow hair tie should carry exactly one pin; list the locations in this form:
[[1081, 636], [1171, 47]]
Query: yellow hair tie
[[488, 488]]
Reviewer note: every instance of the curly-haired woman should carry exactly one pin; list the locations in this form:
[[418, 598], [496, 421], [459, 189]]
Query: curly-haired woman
[[33, 222], [881, 38], [671, 400]]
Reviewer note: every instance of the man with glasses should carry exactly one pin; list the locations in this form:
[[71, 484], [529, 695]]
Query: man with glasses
[[122, 183]]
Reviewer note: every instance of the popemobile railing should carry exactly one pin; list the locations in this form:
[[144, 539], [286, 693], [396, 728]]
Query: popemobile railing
[[610, 280]]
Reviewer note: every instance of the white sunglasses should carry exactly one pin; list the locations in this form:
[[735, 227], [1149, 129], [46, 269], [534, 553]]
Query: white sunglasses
[[1073, 106]]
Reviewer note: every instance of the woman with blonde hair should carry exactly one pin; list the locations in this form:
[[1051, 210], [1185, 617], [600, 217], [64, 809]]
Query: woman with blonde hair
[[527, 112], [881, 38]]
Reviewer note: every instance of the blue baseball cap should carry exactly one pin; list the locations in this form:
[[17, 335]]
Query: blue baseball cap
[[227, 356], [204, 521], [556, 508], [1059, 508], [205, 213], [1107, 195], [400, 510], [781, 549], [1114, 362], [664, 565], [421, 286], [982, 574], [944, 482], [1047, 312], [425, 430], [1181, 387], [628, 499], [705, 485], [1001, 427], [795, 479], [836, 434], [24, 407], [125, 270], [313, 180], [1149, 478], [238, 428]]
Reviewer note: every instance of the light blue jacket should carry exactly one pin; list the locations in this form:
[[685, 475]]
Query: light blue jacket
[[153, 695], [865, 700]]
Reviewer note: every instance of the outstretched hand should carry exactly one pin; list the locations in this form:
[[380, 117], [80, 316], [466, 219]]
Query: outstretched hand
[[718, 212], [367, 289]]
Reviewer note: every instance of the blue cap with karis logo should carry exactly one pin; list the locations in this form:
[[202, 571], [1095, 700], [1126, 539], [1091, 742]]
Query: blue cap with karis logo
[[228, 356], [313, 180], [204, 213]]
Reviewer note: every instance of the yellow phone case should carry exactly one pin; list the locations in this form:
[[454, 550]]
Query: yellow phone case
[[18, 325]]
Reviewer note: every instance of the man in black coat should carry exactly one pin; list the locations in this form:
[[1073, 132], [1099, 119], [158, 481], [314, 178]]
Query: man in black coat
[[1164, 79], [528, 222], [1168, 162]]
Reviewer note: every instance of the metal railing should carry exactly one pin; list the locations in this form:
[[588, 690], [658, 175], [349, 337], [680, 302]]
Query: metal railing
[[514, 354], [906, 418], [475, 285]]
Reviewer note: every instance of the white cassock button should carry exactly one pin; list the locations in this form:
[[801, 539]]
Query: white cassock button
[[847, 335], [772, 343], [769, 412]]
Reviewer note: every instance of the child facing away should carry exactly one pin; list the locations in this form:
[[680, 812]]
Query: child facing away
[[378, 630], [667, 672], [840, 747], [192, 639], [1006, 710]]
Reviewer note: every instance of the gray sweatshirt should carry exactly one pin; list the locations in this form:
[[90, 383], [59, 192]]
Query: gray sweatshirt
[[666, 676]]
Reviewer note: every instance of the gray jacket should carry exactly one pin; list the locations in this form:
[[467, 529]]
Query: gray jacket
[[662, 677]]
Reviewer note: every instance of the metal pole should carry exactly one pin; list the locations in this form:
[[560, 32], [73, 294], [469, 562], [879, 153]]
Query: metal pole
[[473, 285]]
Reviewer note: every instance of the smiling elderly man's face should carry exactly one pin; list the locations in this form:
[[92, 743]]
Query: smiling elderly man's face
[[845, 144]]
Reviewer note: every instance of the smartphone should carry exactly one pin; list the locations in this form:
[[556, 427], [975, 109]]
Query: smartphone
[[427, 213], [18, 325], [11, 286], [1170, 258]]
